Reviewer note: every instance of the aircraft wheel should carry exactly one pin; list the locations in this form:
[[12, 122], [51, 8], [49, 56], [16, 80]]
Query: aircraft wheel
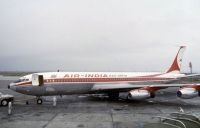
[[4, 102], [27, 103], [128, 97], [39, 101]]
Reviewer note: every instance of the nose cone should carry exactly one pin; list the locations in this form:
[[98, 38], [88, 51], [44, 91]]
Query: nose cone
[[12, 86]]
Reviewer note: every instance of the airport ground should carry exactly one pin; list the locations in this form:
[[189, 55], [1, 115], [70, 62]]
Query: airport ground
[[84, 111]]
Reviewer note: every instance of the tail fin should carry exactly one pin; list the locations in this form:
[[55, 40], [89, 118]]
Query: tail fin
[[176, 65]]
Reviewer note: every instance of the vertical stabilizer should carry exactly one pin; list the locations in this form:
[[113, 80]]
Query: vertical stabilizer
[[176, 65]]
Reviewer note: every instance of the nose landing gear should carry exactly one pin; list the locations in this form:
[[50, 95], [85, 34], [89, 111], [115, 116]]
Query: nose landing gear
[[39, 100]]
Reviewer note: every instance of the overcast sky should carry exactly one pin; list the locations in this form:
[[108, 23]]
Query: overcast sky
[[98, 35]]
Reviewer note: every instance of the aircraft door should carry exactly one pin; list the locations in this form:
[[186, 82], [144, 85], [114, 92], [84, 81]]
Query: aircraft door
[[37, 80]]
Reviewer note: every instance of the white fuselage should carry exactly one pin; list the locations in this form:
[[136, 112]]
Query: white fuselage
[[62, 83]]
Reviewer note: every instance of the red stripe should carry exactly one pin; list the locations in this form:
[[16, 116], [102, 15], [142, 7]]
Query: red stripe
[[74, 80]]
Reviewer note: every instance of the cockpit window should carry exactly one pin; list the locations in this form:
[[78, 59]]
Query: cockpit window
[[17, 81], [21, 80]]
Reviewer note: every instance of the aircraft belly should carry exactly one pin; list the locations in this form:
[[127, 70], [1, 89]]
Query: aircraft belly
[[152, 82], [56, 89], [77, 88]]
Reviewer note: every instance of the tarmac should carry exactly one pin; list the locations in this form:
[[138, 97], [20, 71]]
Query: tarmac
[[85, 111]]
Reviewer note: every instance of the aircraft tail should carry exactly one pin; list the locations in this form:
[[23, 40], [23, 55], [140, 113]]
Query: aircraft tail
[[176, 65]]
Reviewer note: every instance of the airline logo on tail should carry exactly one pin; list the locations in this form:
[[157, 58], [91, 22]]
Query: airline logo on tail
[[176, 65]]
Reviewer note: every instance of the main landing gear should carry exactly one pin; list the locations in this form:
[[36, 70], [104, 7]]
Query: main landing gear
[[113, 95]]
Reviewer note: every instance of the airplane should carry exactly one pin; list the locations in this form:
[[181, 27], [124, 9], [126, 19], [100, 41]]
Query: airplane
[[139, 85]]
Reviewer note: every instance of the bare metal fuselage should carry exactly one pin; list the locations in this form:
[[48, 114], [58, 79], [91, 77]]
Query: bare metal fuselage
[[76, 88]]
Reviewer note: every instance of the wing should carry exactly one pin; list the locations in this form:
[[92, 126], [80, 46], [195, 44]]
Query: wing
[[190, 76], [128, 87]]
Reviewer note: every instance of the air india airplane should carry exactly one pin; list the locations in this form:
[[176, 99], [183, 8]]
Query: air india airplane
[[139, 85]]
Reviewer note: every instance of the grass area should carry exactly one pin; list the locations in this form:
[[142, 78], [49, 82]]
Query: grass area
[[14, 73]]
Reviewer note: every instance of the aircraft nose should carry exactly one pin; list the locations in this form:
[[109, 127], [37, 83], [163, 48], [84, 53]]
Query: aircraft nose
[[12, 86]]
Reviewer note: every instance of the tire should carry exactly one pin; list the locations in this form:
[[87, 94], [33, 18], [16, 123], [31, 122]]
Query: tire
[[39, 101], [128, 97], [4, 102]]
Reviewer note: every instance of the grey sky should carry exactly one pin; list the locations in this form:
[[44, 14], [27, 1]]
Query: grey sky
[[98, 35]]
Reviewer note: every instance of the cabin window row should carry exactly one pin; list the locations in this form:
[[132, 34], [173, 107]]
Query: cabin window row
[[102, 79]]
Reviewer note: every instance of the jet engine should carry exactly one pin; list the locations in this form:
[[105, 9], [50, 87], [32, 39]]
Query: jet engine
[[140, 94], [188, 93]]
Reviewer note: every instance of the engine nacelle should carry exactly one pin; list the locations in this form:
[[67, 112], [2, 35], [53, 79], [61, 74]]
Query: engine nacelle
[[188, 93], [140, 94]]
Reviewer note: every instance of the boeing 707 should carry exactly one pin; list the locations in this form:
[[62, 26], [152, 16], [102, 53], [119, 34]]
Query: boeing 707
[[139, 85]]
